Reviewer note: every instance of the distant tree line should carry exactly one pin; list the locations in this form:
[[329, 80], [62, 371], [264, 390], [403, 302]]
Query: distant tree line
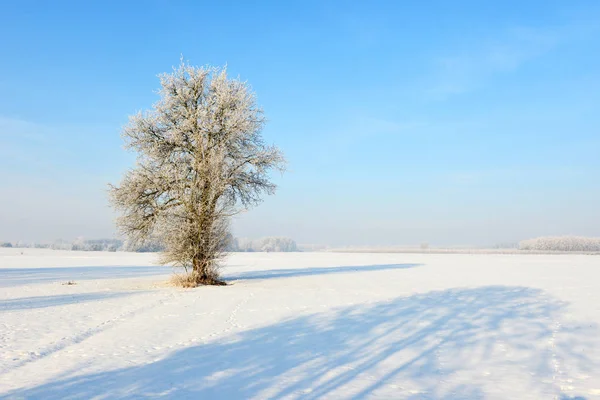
[[561, 243], [268, 244], [79, 244]]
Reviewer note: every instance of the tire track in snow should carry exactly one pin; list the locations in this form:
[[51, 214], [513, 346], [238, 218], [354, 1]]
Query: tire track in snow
[[86, 334]]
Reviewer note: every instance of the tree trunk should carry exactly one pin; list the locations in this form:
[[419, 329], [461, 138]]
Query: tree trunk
[[201, 270], [204, 273]]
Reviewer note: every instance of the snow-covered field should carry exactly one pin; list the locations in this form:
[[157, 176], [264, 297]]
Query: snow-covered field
[[301, 325]]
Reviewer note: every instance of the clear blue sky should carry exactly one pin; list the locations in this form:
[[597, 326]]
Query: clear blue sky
[[452, 122]]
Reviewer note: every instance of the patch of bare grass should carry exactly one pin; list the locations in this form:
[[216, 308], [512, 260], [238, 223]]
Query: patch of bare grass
[[192, 280]]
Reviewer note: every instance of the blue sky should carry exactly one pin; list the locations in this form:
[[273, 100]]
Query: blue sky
[[461, 122]]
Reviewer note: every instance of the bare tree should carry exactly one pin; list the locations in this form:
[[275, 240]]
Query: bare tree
[[201, 159]]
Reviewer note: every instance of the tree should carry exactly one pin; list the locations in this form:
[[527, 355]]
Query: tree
[[278, 244], [201, 159]]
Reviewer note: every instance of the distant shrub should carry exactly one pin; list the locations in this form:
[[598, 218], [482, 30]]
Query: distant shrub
[[278, 244], [268, 244], [147, 247], [508, 245], [7, 244], [80, 244], [61, 245], [561, 243]]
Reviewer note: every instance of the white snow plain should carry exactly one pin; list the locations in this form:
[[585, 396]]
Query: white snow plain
[[301, 325]]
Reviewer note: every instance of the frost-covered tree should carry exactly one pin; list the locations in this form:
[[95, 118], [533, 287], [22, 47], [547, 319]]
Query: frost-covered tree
[[61, 244], [278, 244], [268, 244], [201, 159], [78, 244], [561, 243]]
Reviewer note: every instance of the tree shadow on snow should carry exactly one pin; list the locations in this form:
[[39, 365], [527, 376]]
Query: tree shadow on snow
[[29, 276], [290, 273], [28, 303], [453, 344]]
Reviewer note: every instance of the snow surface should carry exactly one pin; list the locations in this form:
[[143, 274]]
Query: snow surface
[[301, 325]]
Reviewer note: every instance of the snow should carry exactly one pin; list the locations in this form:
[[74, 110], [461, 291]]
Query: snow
[[301, 325]]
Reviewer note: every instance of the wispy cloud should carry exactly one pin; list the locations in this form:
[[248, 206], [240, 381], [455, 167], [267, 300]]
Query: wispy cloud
[[468, 69]]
